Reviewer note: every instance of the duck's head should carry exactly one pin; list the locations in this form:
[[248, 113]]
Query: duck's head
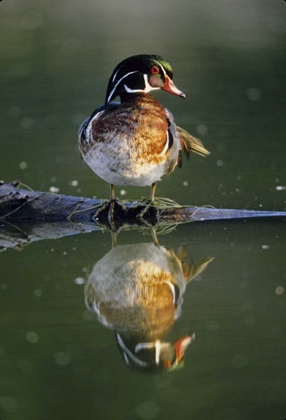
[[141, 73]]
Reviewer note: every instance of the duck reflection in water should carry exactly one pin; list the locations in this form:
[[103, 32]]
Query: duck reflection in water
[[137, 290]]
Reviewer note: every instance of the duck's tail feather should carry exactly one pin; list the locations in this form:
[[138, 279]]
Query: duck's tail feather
[[191, 144]]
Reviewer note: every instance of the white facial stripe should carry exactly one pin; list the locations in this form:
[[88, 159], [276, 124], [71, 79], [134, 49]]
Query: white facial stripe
[[162, 68], [119, 81], [113, 78], [147, 88]]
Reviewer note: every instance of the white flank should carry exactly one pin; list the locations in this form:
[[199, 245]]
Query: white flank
[[89, 127]]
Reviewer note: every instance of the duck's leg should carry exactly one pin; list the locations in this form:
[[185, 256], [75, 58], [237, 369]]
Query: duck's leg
[[113, 204], [114, 238], [112, 193], [109, 207], [152, 195], [150, 202], [154, 236]]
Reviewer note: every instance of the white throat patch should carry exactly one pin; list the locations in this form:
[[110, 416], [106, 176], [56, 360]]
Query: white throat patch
[[147, 88]]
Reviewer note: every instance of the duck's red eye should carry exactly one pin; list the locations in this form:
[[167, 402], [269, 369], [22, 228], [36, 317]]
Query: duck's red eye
[[154, 70]]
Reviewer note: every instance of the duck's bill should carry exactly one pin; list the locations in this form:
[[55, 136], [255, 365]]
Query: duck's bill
[[170, 87]]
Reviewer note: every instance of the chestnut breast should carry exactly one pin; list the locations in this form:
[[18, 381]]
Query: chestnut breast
[[140, 119]]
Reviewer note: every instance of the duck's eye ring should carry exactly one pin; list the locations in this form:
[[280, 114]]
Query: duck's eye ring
[[154, 70]]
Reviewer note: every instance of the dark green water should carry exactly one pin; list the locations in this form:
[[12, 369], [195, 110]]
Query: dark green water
[[56, 360]]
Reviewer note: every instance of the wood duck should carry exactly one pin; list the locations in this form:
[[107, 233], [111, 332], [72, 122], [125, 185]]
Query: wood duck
[[135, 141]]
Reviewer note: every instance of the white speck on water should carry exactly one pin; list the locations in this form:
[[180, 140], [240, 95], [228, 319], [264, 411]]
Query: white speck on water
[[280, 188], [265, 247], [65, 253], [37, 292], [8, 404], [23, 165], [74, 183], [27, 123], [219, 163], [243, 284], [147, 410], [54, 189], [84, 270], [202, 129], [185, 183], [254, 94], [32, 337], [123, 192], [279, 290], [62, 358], [79, 280], [240, 360], [88, 316]]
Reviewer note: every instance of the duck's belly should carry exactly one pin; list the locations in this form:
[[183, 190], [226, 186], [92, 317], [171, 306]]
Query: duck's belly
[[126, 167]]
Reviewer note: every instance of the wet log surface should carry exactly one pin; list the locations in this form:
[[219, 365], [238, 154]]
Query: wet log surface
[[18, 204], [28, 216]]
